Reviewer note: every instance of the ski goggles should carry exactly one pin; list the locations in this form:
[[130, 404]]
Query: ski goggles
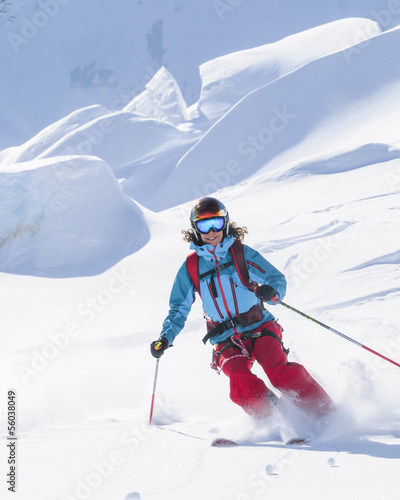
[[205, 225]]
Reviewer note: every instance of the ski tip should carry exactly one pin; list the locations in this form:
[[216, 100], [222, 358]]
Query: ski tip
[[297, 441], [223, 442]]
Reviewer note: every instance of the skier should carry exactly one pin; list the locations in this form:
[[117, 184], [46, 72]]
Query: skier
[[233, 285]]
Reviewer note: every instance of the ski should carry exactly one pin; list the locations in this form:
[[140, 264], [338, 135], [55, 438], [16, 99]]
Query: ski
[[223, 442], [296, 441]]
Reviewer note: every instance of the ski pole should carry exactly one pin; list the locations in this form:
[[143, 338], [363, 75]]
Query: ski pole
[[337, 333], [154, 391]]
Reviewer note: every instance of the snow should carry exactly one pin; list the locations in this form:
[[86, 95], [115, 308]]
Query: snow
[[46, 138], [306, 113], [66, 217], [295, 129], [162, 99], [226, 79], [58, 60]]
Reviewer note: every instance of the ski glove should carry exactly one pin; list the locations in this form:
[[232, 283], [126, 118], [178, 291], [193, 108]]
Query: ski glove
[[158, 347], [266, 292]]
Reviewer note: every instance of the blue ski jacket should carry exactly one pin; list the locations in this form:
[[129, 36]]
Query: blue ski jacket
[[227, 296]]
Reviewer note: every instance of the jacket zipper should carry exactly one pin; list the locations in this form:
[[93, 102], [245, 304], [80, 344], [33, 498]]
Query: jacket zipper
[[255, 265], [215, 302], [233, 286]]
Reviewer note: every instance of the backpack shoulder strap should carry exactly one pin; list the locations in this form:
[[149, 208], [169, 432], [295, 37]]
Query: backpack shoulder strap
[[237, 251], [192, 265]]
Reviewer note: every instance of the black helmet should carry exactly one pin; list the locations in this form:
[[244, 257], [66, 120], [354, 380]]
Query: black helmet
[[208, 208]]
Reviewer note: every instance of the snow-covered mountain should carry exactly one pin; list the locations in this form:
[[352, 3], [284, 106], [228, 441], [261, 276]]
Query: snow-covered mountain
[[62, 55], [113, 122]]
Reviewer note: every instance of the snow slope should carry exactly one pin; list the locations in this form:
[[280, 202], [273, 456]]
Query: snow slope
[[226, 79], [90, 245], [86, 360], [307, 112]]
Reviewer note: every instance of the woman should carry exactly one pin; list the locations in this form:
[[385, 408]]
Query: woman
[[233, 290]]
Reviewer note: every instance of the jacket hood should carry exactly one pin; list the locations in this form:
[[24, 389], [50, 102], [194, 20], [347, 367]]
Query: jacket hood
[[209, 252]]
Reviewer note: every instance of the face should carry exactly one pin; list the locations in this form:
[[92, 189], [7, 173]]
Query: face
[[212, 237]]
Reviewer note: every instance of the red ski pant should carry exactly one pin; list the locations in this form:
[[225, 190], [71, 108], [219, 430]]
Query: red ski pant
[[251, 393]]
